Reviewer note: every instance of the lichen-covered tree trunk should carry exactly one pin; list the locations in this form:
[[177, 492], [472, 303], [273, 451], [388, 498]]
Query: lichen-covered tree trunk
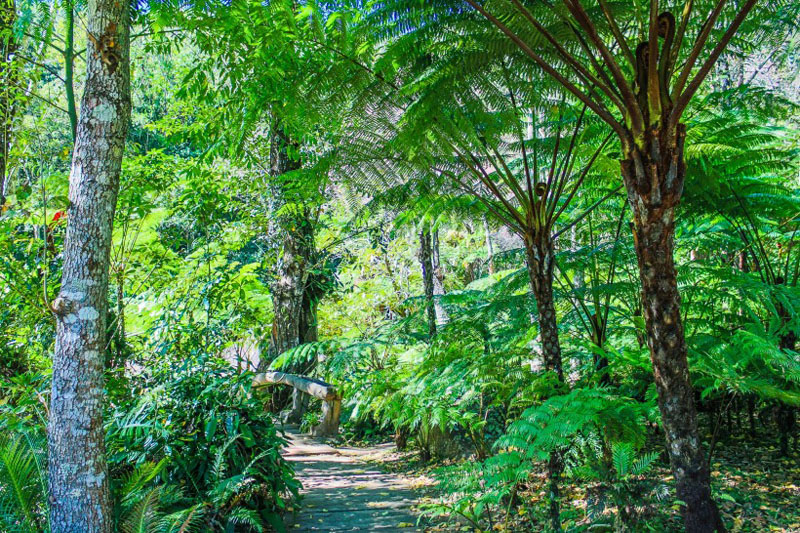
[[294, 321], [426, 262], [295, 233], [8, 88], [79, 499], [541, 262], [287, 292], [654, 177]]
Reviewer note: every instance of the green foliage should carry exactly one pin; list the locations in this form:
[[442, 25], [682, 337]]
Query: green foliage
[[215, 440], [23, 485], [399, 115]]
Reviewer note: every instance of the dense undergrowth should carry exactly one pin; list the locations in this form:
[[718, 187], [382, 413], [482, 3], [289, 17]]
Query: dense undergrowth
[[189, 449]]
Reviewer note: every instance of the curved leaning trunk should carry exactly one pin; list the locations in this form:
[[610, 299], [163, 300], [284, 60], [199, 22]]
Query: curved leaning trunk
[[540, 257], [654, 188], [79, 489]]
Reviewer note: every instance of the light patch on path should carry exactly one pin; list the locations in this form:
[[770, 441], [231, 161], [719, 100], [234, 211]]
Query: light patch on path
[[342, 492]]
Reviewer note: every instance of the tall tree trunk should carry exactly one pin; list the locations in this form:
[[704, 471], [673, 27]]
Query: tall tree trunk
[[541, 262], [293, 229], [426, 262], [294, 321], [654, 178], [8, 88], [78, 473]]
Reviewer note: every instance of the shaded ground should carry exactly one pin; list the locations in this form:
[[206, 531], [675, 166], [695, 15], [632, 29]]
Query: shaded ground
[[342, 491]]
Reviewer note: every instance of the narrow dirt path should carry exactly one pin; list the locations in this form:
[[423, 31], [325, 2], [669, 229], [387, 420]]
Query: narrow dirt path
[[342, 492]]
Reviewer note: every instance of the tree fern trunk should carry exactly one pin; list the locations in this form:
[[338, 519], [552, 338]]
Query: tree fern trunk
[[78, 474], [654, 180], [540, 258]]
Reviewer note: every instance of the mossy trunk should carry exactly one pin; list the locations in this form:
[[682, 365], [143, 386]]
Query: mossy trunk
[[294, 321]]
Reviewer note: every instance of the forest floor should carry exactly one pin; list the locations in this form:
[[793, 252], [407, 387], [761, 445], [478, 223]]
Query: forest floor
[[758, 491], [373, 487], [345, 489]]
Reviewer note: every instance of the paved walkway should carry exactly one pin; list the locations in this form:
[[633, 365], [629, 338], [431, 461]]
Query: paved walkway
[[341, 492]]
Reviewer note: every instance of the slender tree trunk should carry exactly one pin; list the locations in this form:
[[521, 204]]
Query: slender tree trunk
[[438, 281], [489, 245], [426, 262], [79, 498], [654, 180], [69, 63], [786, 413], [8, 88], [541, 262], [120, 329], [599, 340]]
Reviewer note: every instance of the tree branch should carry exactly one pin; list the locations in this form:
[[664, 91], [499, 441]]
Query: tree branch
[[685, 98], [582, 18], [569, 58], [595, 106], [705, 31]]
